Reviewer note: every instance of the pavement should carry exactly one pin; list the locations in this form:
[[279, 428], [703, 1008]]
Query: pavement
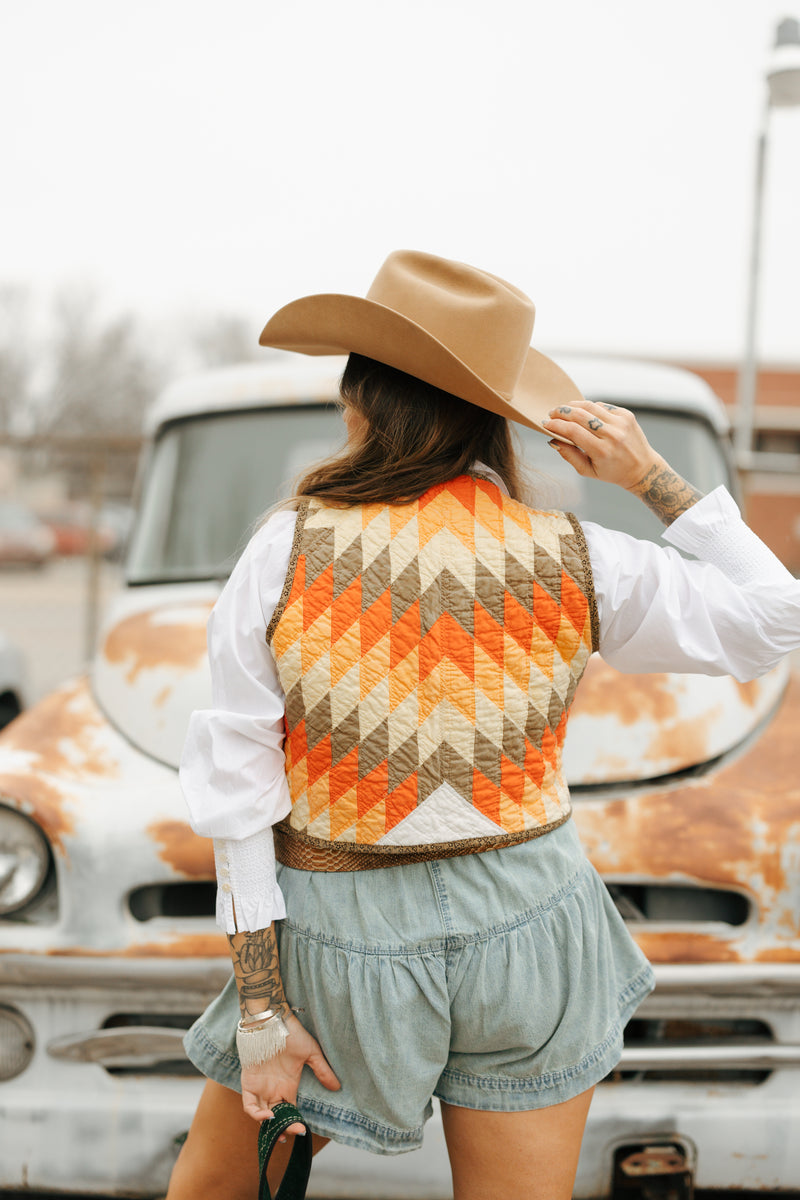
[[43, 612]]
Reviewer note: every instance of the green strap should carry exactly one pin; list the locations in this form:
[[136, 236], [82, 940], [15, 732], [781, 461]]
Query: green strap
[[295, 1179]]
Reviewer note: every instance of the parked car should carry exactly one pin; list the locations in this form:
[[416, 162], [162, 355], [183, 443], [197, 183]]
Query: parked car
[[685, 790], [24, 540], [12, 681], [71, 527]]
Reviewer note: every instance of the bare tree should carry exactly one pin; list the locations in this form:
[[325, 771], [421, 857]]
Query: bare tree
[[16, 358], [103, 374], [221, 340]]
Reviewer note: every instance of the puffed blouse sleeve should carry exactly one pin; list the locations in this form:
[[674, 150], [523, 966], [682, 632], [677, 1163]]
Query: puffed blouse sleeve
[[733, 609], [232, 768]]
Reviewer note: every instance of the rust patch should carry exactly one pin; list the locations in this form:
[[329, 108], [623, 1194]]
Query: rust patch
[[603, 692], [184, 850], [780, 954], [41, 801], [730, 828], [714, 827], [60, 732], [684, 742], [143, 643], [193, 945], [675, 947], [748, 692]]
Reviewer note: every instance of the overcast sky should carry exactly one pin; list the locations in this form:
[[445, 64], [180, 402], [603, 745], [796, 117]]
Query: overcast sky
[[187, 154]]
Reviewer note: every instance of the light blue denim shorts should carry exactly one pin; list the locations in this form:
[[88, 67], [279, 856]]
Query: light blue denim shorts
[[497, 981]]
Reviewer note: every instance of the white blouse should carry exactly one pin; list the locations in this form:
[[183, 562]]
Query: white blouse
[[736, 612]]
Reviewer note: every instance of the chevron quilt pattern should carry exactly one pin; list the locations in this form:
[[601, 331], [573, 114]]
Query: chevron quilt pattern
[[431, 649]]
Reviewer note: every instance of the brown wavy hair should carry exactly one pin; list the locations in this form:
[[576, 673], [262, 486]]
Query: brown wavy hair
[[412, 436]]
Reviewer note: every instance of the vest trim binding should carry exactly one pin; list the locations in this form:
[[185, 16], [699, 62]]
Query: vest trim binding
[[302, 513], [294, 848], [586, 562]]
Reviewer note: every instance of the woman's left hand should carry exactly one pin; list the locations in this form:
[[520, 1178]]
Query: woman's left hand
[[278, 1078], [607, 442]]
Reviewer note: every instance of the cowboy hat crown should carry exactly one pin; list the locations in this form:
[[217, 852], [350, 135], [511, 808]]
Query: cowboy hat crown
[[456, 327]]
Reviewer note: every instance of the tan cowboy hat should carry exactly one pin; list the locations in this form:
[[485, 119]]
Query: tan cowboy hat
[[458, 328]]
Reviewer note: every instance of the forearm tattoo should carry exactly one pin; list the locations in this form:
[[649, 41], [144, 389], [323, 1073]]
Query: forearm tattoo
[[257, 971], [666, 493]]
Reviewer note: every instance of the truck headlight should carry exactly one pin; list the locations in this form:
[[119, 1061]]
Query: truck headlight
[[24, 860], [16, 1043]]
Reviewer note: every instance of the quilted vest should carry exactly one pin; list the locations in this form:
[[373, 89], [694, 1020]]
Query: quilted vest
[[429, 653]]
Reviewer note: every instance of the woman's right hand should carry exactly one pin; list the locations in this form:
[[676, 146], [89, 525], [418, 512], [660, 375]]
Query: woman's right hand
[[279, 1077], [605, 442]]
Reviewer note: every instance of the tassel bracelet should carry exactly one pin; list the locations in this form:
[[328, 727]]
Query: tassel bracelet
[[261, 1037]]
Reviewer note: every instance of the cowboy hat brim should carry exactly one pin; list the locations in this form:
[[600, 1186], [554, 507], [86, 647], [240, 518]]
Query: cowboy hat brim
[[338, 324]]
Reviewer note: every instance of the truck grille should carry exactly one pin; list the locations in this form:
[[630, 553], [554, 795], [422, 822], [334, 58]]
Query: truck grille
[[173, 900], [732, 1050]]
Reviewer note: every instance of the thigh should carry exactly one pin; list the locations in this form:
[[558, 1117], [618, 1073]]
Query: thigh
[[219, 1159], [516, 1155]]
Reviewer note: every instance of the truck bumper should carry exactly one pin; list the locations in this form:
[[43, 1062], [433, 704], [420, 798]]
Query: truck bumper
[[100, 1110], [102, 1104]]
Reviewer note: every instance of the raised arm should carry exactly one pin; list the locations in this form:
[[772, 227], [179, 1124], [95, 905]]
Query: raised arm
[[732, 608], [609, 444]]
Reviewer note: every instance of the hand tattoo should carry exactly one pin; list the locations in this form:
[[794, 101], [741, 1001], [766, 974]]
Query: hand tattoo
[[610, 407], [594, 424], [565, 408], [257, 971], [666, 493]]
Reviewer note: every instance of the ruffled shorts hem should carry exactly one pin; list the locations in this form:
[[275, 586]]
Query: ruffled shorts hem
[[492, 1094]]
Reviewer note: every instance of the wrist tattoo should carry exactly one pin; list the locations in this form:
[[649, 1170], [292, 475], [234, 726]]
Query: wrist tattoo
[[257, 970], [666, 493]]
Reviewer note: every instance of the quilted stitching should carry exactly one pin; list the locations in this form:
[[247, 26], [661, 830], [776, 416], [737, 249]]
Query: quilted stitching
[[460, 670]]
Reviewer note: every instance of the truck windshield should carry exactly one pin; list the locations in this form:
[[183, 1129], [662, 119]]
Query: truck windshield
[[210, 478]]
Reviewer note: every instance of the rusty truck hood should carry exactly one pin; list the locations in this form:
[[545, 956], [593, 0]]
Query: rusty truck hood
[[151, 672], [151, 668], [625, 728]]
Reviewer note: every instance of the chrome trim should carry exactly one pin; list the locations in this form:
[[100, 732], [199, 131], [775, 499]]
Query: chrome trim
[[126, 1046], [211, 974], [207, 975], [689, 1056], [751, 979]]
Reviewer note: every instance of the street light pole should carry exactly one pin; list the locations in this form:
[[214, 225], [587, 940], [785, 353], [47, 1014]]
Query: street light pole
[[748, 372], [783, 80]]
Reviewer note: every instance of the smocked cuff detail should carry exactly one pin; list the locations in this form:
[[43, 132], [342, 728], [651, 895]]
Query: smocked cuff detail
[[714, 531], [248, 896]]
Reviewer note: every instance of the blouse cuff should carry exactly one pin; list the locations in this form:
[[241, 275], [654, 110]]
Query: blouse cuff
[[714, 531], [248, 896]]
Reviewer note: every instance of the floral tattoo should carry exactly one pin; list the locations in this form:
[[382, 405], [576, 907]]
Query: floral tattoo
[[666, 493], [257, 970]]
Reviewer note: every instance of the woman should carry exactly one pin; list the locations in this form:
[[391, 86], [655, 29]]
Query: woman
[[394, 658]]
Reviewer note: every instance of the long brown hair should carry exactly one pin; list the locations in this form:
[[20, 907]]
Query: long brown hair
[[412, 436]]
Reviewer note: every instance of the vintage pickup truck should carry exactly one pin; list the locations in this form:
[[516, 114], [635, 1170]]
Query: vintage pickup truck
[[686, 791]]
